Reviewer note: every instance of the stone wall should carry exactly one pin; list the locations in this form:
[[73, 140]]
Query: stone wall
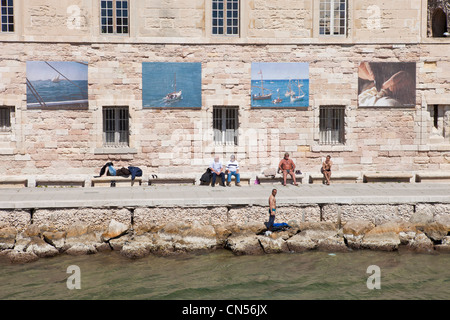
[[70, 141], [141, 231]]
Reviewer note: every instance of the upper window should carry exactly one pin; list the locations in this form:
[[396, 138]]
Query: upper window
[[225, 125], [332, 125], [114, 17], [5, 119], [333, 17], [225, 17], [7, 14], [116, 131]]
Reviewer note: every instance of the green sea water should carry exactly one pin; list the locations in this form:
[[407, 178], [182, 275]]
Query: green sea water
[[222, 275]]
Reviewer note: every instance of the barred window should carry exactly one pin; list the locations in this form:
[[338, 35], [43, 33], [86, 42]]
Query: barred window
[[116, 129], [114, 17], [225, 17], [332, 125], [5, 119], [333, 17], [7, 15], [225, 125]]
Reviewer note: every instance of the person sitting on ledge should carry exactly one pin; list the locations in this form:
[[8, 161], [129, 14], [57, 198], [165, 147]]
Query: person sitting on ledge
[[233, 170], [326, 169], [287, 166], [217, 170]]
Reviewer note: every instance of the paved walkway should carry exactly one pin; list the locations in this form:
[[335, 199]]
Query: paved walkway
[[203, 196]]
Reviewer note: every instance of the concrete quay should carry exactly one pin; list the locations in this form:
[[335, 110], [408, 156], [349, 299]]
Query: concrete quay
[[206, 196]]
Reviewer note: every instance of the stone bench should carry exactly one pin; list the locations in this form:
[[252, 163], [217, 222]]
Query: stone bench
[[61, 181], [245, 178], [278, 178], [387, 177], [433, 176], [172, 178], [120, 181], [336, 177], [13, 182]]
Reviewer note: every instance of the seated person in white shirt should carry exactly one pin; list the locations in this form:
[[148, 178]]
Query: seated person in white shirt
[[217, 170], [233, 170]]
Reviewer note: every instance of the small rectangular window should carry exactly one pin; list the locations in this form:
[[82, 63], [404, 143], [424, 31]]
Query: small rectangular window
[[333, 17], [225, 125], [114, 16], [116, 129], [5, 119], [225, 17], [7, 15], [332, 125]]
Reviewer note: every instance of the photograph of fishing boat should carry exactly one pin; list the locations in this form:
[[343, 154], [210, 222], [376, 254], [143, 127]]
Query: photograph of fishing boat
[[268, 79], [171, 84], [57, 84]]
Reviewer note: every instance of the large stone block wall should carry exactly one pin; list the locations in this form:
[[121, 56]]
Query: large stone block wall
[[173, 140]]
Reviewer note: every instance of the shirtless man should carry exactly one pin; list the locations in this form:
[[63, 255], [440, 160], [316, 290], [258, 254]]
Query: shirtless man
[[287, 166], [326, 169], [272, 209]]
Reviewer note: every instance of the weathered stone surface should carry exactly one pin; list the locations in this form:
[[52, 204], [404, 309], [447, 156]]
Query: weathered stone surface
[[357, 227], [271, 245], [444, 247], [300, 243], [435, 231], [16, 256], [7, 238], [41, 248], [244, 245], [115, 229], [332, 244]]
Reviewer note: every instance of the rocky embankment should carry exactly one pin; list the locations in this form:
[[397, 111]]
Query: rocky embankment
[[79, 232]]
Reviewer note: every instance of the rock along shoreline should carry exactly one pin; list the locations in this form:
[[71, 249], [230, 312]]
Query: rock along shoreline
[[26, 236]]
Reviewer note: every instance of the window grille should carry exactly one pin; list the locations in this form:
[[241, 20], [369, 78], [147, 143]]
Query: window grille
[[225, 125], [114, 17], [333, 17], [7, 15], [5, 119], [225, 17], [116, 130], [332, 125]]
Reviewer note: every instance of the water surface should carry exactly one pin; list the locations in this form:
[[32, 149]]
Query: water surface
[[222, 275]]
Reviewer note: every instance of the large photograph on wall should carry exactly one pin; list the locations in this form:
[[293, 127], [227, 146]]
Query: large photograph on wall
[[280, 84], [387, 84], [171, 84], [57, 84]]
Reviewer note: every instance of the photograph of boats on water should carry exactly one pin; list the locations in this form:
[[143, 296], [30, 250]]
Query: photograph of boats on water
[[280, 84], [387, 84], [172, 84], [57, 84]]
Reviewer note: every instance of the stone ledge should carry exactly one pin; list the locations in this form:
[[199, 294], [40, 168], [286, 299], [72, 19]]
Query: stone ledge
[[120, 181], [435, 177], [387, 177], [336, 177]]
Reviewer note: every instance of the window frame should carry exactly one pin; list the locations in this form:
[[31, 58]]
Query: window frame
[[115, 26], [227, 118], [332, 124], [5, 119], [118, 120], [332, 11], [7, 6], [225, 18]]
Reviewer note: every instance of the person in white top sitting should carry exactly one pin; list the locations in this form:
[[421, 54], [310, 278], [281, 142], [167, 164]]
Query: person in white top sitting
[[217, 170], [233, 170]]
